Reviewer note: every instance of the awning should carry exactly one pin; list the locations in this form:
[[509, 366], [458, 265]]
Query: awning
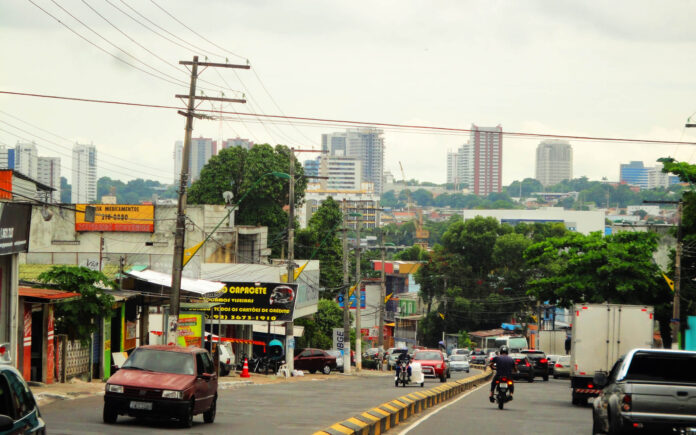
[[46, 296], [198, 286]]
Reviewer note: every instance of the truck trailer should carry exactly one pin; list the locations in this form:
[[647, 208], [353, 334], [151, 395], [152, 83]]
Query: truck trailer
[[601, 333]]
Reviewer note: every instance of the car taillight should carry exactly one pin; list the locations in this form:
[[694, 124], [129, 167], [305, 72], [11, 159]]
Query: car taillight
[[3, 349], [228, 361], [559, 366], [544, 361], [590, 386], [517, 361], [626, 402], [526, 363]]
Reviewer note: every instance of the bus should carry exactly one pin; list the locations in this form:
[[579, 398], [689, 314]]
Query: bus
[[514, 343]]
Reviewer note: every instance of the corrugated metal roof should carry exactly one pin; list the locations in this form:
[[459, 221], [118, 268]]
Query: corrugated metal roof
[[199, 286], [46, 293]]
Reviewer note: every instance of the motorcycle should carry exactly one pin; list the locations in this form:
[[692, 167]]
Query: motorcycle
[[417, 376], [402, 377], [503, 391]]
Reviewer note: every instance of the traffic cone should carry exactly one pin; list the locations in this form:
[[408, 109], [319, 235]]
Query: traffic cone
[[245, 370]]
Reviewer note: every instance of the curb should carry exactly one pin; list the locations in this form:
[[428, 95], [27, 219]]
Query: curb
[[381, 418]]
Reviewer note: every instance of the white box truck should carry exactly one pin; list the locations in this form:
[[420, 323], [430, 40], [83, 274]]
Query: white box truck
[[601, 333], [552, 342]]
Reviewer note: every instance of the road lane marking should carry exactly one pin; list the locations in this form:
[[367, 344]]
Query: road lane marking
[[427, 416]]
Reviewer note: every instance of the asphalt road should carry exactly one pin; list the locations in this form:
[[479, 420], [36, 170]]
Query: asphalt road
[[287, 408], [538, 408]]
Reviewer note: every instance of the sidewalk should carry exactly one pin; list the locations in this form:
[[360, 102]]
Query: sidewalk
[[76, 388]]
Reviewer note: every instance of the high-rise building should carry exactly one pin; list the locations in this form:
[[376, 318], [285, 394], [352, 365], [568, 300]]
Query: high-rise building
[[554, 162], [202, 149], [634, 173], [26, 159], [311, 168], [84, 174], [7, 157], [486, 151], [237, 142], [48, 173], [365, 144], [460, 168]]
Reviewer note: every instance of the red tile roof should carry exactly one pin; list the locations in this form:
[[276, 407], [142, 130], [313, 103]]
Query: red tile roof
[[46, 293]]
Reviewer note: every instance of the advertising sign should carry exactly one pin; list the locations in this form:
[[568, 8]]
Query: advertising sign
[[190, 330], [260, 301], [130, 218], [338, 339], [15, 220], [353, 300]]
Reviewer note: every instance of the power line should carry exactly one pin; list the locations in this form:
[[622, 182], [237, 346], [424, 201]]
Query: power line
[[360, 123]]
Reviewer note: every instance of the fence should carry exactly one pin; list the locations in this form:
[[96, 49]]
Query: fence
[[72, 359]]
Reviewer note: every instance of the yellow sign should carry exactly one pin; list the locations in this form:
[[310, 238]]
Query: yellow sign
[[190, 330], [132, 218], [670, 282]]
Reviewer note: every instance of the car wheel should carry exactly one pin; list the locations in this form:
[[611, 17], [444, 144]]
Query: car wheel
[[312, 371], [596, 425], [110, 415], [443, 378], [209, 415], [326, 370], [546, 377], [530, 379], [467, 371], [555, 376], [187, 420], [449, 375]]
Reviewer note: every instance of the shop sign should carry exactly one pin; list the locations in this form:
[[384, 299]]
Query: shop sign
[[15, 220], [254, 301], [130, 218]]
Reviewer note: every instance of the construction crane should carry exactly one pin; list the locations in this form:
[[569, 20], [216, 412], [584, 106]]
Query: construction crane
[[421, 235]]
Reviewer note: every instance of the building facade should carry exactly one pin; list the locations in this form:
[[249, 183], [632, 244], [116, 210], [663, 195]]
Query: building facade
[[365, 144], [363, 202], [584, 222], [554, 162], [84, 174], [486, 151], [26, 159], [7, 157], [48, 173], [634, 173], [201, 150], [237, 142]]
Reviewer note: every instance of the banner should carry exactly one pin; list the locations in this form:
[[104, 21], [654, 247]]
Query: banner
[[353, 300], [190, 330], [15, 220], [130, 218], [260, 301]]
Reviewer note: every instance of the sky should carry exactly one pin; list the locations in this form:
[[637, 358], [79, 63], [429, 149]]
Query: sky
[[623, 69]]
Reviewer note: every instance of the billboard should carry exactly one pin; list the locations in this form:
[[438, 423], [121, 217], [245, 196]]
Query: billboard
[[353, 300], [130, 218], [254, 301], [15, 220]]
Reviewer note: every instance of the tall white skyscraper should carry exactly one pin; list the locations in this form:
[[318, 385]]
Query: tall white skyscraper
[[27, 159], [48, 173], [364, 144], [554, 162], [202, 149], [84, 174]]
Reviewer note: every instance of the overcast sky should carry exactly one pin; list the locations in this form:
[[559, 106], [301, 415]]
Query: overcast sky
[[592, 68]]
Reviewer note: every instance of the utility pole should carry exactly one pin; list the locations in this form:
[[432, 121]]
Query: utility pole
[[290, 326], [346, 291], [358, 301], [676, 312], [180, 228], [382, 292]]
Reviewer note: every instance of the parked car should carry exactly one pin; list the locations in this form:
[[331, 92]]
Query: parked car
[[339, 358], [373, 353], [160, 381], [478, 356], [19, 412], [539, 361], [432, 362], [525, 368], [314, 360], [392, 355], [552, 362], [459, 363], [562, 367], [227, 359]]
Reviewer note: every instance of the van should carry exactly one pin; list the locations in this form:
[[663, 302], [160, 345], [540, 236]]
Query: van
[[514, 343]]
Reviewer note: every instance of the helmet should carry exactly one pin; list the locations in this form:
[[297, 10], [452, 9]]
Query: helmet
[[503, 350]]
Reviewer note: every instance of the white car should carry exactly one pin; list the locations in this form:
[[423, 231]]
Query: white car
[[459, 363], [227, 359]]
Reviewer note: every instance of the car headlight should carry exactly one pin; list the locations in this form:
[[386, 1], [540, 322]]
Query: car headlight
[[172, 394], [111, 388]]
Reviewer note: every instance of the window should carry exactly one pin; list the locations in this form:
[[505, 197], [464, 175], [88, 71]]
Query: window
[[20, 397], [200, 365], [318, 353], [306, 354], [6, 407], [207, 363]]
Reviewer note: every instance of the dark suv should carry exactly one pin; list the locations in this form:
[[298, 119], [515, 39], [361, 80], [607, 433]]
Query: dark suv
[[525, 369], [478, 356], [163, 382], [539, 361]]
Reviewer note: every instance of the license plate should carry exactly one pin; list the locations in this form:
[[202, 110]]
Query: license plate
[[503, 386], [141, 405]]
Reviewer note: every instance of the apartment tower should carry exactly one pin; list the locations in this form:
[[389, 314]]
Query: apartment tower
[[84, 174], [554, 162]]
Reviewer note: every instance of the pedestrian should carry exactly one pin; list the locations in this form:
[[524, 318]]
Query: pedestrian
[[567, 344], [209, 343]]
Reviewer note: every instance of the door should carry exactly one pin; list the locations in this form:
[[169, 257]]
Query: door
[[303, 360], [318, 360], [201, 386]]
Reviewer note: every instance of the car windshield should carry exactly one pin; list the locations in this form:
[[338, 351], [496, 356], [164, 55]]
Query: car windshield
[[426, 355], [160, 361], [563, 359], [458, 358], [335, 353]]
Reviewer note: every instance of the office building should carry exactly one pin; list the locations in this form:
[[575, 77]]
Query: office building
[[48, 173], [26, 159], [237, 142], [6, 157], [84, 174], [338, 173], [311, 167], [364, 144], [201, 150], [634, 173], [554, 162]]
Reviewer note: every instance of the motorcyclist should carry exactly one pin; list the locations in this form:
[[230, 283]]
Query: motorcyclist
[[504, 367], [403, 357]]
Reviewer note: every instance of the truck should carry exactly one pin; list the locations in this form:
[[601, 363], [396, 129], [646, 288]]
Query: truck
[[552, 342], [601, 333], [650, 389]]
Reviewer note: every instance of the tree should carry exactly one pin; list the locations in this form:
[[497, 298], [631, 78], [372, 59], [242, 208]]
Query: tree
[[78, 319], [318, 330], [243, 171]]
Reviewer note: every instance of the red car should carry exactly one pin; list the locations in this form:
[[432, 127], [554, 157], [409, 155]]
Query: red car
[[433, 363], [168, 382], [314, 360]]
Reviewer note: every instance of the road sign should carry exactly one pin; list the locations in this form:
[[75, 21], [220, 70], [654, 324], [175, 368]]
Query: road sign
[[338, 339]]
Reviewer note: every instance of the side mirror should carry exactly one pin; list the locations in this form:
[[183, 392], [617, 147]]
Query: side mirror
[[206, 376], [6, 422], [600, 379]]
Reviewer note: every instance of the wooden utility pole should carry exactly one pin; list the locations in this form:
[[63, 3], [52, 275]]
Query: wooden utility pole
[[180, 229], [358, 303], [290, 326], [346, 292], [676, 312], [382, 292]]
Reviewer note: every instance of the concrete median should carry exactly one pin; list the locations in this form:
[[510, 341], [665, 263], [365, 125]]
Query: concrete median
[[381, 418]]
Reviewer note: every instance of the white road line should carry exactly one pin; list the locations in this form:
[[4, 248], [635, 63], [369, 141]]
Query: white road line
[[425, 417]]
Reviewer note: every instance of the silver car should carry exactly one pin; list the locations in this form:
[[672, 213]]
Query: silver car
[[459, 363], [562, 367], [339, 358]]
